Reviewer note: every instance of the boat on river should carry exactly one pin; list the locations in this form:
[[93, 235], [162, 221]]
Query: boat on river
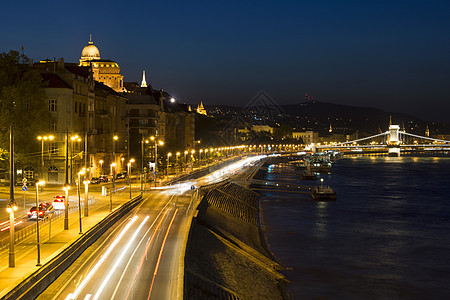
[[323, 193]]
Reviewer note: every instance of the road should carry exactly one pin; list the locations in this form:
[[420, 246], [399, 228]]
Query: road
[[138, 258]]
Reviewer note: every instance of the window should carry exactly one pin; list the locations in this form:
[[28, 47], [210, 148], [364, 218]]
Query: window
[[52, 149], [76, 107], [52, 105], [53, 125]]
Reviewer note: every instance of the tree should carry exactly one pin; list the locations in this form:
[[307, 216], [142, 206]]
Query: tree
[[283, 133], [24, 104]]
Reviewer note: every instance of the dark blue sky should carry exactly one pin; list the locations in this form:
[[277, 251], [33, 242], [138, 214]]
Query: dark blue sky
[[393, 55]]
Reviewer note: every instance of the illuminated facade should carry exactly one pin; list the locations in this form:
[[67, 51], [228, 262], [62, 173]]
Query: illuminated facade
[[200, 109], [105, 70]]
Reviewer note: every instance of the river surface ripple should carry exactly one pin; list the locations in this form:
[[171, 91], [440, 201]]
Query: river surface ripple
[[386, 237]]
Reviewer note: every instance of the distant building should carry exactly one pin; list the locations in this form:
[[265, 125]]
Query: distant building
[[308, 136], [262, 128], [201, 110], [143, 82], [105, 70], [88, 100]]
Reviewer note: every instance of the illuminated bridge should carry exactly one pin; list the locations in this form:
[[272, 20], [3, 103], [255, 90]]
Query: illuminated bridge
[[394, 140]]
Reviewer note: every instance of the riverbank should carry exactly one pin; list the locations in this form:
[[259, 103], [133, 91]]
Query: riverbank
[[226, 255]]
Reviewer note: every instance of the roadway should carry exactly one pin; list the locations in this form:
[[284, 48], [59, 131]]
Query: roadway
[[139, 257]]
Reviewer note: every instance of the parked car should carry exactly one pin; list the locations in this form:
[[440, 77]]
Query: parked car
[[95, 180], [58, 202], [121, 175], [103, 178]]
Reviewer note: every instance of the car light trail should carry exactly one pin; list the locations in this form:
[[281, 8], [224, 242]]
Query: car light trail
[[7, 227], [119, 260], [6, 222], [75, 294], [149, 243], [160, 253]]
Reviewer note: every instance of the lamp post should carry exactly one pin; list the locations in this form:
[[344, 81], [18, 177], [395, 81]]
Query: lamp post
[[185, 162], [101, 166], [74, 138], [113, 171], [129, 173], [82, 172], [200, 156], [177, 163], [161, 143], [11, 208], [66, 207], [115, 138], [40, 183], [42, 139], [86, 197], [142, 163], [168, 161]]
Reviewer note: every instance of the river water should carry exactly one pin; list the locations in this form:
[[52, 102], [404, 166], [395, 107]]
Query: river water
[[386, 237]]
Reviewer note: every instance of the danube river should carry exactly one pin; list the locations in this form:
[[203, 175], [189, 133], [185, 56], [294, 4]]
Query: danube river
[[386, 237]]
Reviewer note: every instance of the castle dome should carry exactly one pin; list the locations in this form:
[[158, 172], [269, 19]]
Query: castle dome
[[90, 52]]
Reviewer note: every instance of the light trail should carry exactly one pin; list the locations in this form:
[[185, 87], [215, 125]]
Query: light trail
[[160, 253], [6, 222], [144, 255], [119, 260], [7, 227], [77, 292]]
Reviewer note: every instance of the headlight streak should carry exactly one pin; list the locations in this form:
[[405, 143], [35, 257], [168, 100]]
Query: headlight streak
[[213, 177], [160, 253], [165, 210], [149, 242], [76, 293], [119, 260]]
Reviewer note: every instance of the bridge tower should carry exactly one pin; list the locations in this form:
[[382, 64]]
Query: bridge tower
[[394, 141]]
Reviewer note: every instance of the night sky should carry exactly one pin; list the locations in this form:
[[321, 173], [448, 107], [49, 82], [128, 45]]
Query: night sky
[[393, 55]]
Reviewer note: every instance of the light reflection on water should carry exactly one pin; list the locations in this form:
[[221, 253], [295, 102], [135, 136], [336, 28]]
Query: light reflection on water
[[386, 236]]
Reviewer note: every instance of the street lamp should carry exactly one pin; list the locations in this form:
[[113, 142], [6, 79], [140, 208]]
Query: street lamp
[[11, 208], [66, 207], [129, 173], [42, 139], [161, 143], [82, 172], [86, 197], [101, 166], [74, 138], [185, 161], [168, 161], [113, 171], [115, 138], [176, 162], [200, 156], [40, 183]]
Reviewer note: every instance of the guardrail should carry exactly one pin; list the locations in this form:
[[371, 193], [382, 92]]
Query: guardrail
[[37, 282]]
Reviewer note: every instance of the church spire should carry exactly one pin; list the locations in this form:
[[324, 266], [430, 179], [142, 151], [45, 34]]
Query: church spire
[[143, 83], [90, 39]]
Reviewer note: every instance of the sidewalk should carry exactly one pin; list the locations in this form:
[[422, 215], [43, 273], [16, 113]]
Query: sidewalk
[[26, 250]]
